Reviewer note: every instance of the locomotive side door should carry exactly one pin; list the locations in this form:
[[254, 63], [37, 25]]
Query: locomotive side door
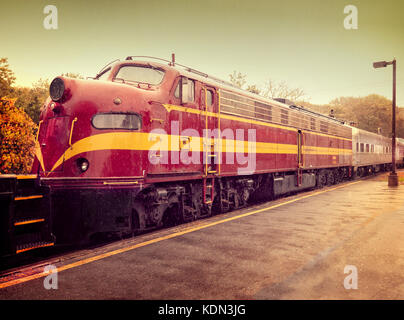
[[299, 157], [210, 132]]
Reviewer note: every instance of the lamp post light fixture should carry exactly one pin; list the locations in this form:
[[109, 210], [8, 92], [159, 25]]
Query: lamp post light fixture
[[393, 178]]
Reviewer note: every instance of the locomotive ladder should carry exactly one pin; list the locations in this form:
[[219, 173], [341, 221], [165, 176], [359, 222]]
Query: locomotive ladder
[[210, 170], [25, 219], [210, 160]]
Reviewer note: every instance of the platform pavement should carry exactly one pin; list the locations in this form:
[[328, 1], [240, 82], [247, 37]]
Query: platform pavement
[[293, 248]]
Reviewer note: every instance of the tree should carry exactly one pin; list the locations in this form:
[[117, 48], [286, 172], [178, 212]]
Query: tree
[[238, 79], [400, 123], [7, 78], [273, 90], [17, 138], [369, 113], [72, 75], [32, 99], [270, 89], [254, 89]]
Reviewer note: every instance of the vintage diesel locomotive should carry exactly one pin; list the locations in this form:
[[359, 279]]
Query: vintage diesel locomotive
[[150, 143]]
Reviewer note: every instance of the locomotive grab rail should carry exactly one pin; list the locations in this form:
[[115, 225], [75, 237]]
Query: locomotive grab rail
[[39, 128], [71, 132]]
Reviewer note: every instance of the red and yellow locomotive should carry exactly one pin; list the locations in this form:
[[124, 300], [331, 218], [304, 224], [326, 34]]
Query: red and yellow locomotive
[[146, 144]]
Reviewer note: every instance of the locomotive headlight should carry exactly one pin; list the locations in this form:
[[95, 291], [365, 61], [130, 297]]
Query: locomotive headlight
[[82, 164], [57, 89]]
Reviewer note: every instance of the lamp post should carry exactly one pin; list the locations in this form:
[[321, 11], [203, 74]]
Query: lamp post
[[393, 178]]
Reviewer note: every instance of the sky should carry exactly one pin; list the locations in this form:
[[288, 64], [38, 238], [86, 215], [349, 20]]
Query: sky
[[301, 42]]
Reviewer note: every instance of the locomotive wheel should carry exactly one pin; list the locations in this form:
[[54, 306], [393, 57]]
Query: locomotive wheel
[[170, 216], [322, 179], [330, 178], [135, 224], [137, 217], [337, 176]]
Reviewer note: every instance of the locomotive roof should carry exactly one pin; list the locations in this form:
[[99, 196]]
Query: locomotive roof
[[216, 82]]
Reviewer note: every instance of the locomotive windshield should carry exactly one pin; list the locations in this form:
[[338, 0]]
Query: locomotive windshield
[[140, 74]]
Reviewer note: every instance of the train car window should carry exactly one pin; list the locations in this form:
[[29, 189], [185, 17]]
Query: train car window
[[362, 147], [372, 148], [357, 147], [140, 74], [367, 147], [126, 121]]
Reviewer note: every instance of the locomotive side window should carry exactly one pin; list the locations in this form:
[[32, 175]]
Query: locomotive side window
[[209, 97], [191, 90], [177, 90], [126, 121], [140, 74], [187, 90]]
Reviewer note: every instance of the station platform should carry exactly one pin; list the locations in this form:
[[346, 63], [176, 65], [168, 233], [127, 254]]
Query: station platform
[[297, 247]]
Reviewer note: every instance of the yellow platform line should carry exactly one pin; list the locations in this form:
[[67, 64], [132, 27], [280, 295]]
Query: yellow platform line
[[170, 236]]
